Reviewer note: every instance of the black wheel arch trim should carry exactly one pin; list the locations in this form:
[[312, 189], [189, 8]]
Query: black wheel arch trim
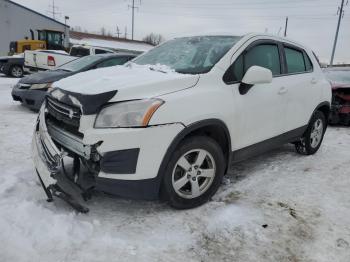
[[187, 130], [325, 103]]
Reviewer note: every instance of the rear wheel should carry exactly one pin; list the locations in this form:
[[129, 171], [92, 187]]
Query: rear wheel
[[313, 136], [16, 71], [194, 172]]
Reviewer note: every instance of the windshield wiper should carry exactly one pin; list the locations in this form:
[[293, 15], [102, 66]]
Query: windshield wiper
[[65, 70], [157, 70]]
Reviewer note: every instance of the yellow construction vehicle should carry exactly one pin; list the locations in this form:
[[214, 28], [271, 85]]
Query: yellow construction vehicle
[[47, 40]]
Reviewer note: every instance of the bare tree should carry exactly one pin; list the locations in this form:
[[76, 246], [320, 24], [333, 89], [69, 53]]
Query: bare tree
[[77, 28], [153, 39]]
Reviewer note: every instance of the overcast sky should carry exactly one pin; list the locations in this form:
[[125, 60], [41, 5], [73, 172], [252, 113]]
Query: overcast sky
[[312, 22]]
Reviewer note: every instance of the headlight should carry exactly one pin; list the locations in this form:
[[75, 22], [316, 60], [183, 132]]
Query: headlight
[[135, 113], [41, 86]]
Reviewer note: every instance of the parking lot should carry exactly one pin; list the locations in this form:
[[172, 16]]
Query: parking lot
[[278, 207]]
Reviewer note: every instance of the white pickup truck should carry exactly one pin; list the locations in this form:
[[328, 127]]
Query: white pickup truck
[[40, 60]]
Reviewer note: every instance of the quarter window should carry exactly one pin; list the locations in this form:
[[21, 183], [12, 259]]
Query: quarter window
[[295, 61], [308, 63]]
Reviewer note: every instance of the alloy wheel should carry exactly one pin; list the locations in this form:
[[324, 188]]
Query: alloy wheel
[[193, 173], [316, 133]]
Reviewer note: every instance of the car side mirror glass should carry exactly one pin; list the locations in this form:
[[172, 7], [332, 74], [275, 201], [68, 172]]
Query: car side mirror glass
[[255, 75]]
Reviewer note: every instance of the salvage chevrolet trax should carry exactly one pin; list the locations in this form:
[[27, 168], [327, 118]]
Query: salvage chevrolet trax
[[170, 123]]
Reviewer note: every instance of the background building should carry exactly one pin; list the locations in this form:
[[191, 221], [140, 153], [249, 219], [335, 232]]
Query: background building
[[16, 21]]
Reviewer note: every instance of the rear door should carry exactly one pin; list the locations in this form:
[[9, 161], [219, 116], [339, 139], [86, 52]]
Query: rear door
[[302, 86], [261, 110]]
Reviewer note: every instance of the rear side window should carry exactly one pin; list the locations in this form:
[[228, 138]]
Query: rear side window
[[295, 61], [265, 55], [113, 62], [79, 51], [100, 51]]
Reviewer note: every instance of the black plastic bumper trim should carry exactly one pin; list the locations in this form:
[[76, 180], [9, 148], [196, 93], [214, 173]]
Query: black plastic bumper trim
[[120, 162], [146, 189]]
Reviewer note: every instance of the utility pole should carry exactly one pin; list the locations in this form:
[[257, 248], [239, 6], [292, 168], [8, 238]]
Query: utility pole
[[66, 40], [54, 8], [286, 27], [126, 32], [118, 32], [341, 14], [133, 7]]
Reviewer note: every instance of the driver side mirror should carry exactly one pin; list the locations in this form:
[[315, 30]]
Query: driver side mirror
[[255, 75]]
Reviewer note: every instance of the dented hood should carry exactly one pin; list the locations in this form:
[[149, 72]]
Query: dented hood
[[127, 82]]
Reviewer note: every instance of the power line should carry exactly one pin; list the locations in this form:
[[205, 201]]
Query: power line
[[341, 15]]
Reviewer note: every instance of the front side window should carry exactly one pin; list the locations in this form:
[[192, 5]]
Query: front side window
[[295, 61], [189, 55], [264, 55]]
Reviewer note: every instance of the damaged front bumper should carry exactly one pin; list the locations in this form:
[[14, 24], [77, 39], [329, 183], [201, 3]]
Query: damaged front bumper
[[124, 162], [48, 161]]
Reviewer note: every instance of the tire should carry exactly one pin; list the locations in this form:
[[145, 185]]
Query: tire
[[16, 71], [313, 136], [189, 182]]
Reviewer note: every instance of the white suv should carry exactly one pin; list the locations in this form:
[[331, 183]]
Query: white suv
[[170, 123]]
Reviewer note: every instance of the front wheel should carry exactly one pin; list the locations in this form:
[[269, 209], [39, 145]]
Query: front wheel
[[313, 136], [194, 172]]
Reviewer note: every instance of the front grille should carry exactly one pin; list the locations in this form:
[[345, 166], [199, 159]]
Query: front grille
[[63, 115]]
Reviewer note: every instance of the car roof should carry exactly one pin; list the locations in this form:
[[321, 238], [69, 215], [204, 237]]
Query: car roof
[[248, 36]]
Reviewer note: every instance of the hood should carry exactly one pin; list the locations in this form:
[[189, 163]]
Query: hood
[[45, 77], [339, 85], [129, 82]]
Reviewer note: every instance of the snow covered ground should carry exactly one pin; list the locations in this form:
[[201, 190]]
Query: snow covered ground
[[278, 207]]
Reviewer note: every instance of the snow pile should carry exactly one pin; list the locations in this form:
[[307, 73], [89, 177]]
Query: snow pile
[[278, 207], [122, 45]]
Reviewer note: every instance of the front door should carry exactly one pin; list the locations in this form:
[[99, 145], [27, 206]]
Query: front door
[[261, 110]]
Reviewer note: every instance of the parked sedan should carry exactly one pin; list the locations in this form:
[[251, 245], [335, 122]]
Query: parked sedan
[[12, 65], [340, 80], [31, 90]]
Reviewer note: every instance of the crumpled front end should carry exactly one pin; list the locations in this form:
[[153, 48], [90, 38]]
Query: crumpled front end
[[74, 159], [50, 160]]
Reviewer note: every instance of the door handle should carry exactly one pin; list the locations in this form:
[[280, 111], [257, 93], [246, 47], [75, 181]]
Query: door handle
[[313, 80], [282, 90]]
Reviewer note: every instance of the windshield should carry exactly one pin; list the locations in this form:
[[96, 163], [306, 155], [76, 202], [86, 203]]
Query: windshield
[[80, 63], [189, 55], [339, 76]]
